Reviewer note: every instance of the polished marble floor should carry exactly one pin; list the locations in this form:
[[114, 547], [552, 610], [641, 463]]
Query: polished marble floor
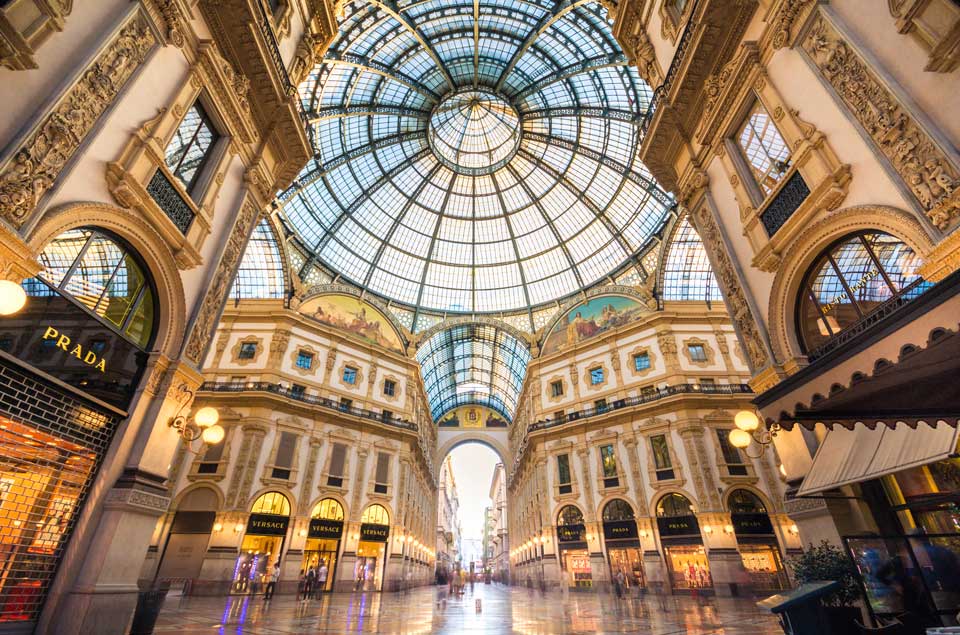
[[427, 610]]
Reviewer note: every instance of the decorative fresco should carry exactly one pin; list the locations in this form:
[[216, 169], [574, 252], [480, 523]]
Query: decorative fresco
[[354, 316], [472, 417], [590, 319]]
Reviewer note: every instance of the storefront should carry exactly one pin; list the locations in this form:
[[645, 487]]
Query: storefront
[[683, 549], [372, 549], [757, 542], [574, 553], [70, 361], [323, 542], [262, 543], [623, 543], [186, 546]]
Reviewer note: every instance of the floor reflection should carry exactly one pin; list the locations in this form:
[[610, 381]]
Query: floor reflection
[[500, 610]]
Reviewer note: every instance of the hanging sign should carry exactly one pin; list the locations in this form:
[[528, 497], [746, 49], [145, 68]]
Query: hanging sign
[[374, 533], [267, 525], [752, 524], [678, 526], [620, 529], [570, 533], [323, 528]]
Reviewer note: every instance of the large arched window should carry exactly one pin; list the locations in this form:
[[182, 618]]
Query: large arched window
[[271, 503], [687, 274], [376, 515], [742, 501], [328, 509], [673, 505], [617, 509], [260, 274], [570, 515], [850, 280], [104, 276]]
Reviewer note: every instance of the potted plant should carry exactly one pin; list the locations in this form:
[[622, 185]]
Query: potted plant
[[827, 562]]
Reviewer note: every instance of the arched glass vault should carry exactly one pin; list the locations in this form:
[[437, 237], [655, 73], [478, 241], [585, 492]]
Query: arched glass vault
[[473, 364], [474, 156]]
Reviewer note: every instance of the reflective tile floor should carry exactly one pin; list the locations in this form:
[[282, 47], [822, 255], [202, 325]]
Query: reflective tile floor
[[503, 610]]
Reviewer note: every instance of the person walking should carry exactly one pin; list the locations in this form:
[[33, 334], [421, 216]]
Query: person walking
[[322, 574], [270, 578], [619, 581]]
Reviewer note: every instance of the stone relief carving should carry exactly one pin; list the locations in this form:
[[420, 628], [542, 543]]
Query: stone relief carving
[[784, 21], [37, 165], [932, 179]]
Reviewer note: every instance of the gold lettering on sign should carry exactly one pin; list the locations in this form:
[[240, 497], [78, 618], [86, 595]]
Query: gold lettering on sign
[[36, 166], [63, 343]]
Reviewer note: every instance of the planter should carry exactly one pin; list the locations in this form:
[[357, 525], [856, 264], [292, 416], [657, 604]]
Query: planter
[[842, 619]]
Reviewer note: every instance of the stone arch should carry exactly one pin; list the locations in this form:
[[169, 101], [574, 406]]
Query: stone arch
[[450, 322], [394, 518], [273, 488], [472, 436], [725, 497], [197, 487], [335, 496], [809, 245], [555, 514], [148, 244], [659, 494], [612, 497]]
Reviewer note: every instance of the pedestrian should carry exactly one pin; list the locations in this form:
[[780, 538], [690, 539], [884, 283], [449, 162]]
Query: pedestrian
[[322, 574], [270, 578], [618, 583]]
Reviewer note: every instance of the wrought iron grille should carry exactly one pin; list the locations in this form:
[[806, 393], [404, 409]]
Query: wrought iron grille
[[170, 200], [793, 193]]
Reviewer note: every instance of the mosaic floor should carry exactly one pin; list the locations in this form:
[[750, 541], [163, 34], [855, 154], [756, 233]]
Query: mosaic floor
[[502, 610]]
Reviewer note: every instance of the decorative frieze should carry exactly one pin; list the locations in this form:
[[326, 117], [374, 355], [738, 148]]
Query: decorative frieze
[[923, 167], [38, 163]]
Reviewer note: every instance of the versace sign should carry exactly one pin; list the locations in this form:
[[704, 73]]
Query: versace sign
[[267, 525], [374, 533], [323, 528]]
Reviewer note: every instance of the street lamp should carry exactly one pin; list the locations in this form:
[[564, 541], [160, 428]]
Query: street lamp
[[12, 297], [748, 431], [203, 426]]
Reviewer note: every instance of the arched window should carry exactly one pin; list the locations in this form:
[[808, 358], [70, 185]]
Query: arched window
[[272, 503], [376, 515], [328, 509], [617, 509], [742, 501], [687, 274], [104, 276], [674, 505], [260, 274], [851, 279], [570, 515]]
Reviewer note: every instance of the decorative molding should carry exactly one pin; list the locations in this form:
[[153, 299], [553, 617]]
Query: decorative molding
[[235, 351], [35, 167], [25, 26], [923, 167], [652, 369], [707, 349], [314, 364], [785, 22]]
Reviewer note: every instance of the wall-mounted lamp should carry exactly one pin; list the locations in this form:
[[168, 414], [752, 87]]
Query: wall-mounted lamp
[[794, 530], [203, 426], [728, 529], [237, 528], [303, 533], [12, 297], [707, 529], [643, 533], [217, 527], [748, 431]]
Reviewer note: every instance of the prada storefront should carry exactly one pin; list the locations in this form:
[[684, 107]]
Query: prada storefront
[[574, 552], [682, 543], [70, 361], [622, 543]]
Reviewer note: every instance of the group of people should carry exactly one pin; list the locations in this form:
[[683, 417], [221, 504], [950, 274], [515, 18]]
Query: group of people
[[458, 580], [313, 581]]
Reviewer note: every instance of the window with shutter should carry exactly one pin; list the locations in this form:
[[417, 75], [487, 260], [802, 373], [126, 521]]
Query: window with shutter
[[338, 456], [383, 473], [284, 459], [211, 459]]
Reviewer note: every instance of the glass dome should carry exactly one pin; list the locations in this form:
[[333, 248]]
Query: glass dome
[[474, 156]]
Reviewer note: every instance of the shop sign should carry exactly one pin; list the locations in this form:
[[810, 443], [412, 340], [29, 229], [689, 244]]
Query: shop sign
[[374, 533], [570, 533], [620, 529], [57, 337], [267, 525], [323, 528], [752, 524], [678, 526]]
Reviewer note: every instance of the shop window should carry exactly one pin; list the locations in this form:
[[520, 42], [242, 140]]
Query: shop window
[[350, 375], [304, 360], [103, 276], [617, 509], [641, 361], [736, 466], [328, 509], [766, 154], [297, 391], [338, 458], [286, 448], [673, 506], [663, 466], [375, 515], [697, 352], [382, 474], [556, 388], [596, 375], [389, 387], [248, 350], [926, 498], [851, 280], [608, 463], [570, 516], [272, 503], [191, 147], [563, 474]]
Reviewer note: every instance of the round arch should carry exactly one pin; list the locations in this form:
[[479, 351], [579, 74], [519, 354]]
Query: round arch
[[563, 506], [450, 322], [473, 436], [336, 497], [613, 500], [196, 487], [382, 505], [660, 496], [763, 498], [801, 255], [149, 245], [279, 490]]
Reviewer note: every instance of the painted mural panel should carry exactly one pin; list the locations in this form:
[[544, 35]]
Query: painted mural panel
[[354, 316], [590, 319], [472, 417]]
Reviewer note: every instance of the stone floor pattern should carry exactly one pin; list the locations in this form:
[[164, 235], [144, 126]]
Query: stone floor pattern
[[503, 610]]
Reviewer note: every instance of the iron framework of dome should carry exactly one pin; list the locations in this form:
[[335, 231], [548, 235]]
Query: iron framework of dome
[[474, 157]]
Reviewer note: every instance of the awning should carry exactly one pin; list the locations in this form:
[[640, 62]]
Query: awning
[[861, 454]]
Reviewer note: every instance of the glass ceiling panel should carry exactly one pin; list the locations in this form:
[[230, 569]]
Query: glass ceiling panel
[[473, 363], [475, 157], [687, 274]]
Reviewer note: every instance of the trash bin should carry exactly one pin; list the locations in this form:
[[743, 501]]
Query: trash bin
[[149, 602]]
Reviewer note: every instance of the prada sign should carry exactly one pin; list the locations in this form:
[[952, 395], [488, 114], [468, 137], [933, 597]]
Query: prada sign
[[752, 524], [374, 533], [678, 526], [570, 533], [323, 528], [620, 530], [267, 525]]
